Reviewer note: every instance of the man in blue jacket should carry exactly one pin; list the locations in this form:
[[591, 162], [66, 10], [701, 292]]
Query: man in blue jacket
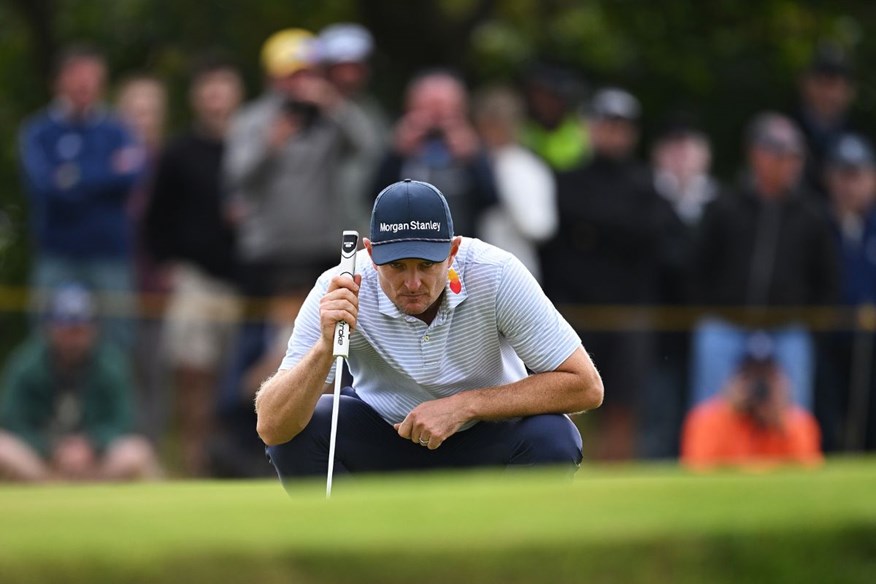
[[79, 164]]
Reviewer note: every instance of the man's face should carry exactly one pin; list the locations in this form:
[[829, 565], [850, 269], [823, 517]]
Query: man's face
[[775, 171], [81, 83], [297, 85], [71, 343], [437, 99], [414, 285], [613, 138], [852, 188], [828, 95], [216, 95], [350, 78]]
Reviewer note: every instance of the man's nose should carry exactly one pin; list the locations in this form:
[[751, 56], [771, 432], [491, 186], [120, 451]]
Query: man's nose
[[412, 280]]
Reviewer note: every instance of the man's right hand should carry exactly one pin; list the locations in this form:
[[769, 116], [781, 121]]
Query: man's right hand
[[282, 130], [340, 302]]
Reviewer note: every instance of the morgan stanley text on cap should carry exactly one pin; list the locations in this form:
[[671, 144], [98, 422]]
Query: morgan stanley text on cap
[[410, 219]]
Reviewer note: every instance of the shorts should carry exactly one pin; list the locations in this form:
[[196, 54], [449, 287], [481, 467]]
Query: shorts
[[202, 314]]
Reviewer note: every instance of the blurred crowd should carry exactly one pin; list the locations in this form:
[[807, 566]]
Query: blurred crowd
[[732, 320]]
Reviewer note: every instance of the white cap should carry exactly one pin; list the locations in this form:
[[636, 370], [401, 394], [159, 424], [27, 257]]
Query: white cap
[[345, 43]]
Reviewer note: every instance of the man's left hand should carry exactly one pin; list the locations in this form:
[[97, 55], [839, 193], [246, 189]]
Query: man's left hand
[[432, 422]]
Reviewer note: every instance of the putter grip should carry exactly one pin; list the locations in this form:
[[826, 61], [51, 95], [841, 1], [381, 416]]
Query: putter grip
[[349, 246]]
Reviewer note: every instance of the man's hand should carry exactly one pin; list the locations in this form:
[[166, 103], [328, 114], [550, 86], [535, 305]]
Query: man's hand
[[340, 302], [432, 422], [283, 128]]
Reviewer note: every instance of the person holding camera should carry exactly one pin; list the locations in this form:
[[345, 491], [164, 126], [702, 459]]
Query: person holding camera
[[280, 167], [434, 141], [753, 421]]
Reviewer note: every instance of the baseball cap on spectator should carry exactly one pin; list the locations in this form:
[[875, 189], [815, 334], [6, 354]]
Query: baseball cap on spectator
[[410, 219], [759, 348], [776, 133], [71, 303], [287, 51], [679, 125], [831, 60], [345, 43], [851, 151], [615, 103]]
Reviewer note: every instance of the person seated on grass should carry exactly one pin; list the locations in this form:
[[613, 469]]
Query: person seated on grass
[[65, 402], [752, 422], [444, 328]]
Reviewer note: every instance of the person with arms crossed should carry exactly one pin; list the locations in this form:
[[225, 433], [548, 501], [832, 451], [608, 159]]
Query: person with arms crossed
[[444, 330]]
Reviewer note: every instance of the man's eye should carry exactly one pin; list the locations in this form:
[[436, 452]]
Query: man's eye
[[427, 265], [396, 266]]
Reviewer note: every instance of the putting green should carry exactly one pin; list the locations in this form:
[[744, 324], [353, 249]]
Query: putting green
[[617, 524]]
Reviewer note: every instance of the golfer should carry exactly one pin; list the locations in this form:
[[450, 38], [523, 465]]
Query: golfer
[[458, 357]]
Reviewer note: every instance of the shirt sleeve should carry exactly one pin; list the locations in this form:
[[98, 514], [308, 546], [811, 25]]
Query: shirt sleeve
[[536, 330], [306, 331]]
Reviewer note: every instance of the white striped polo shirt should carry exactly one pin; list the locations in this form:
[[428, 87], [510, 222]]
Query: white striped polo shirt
[[499, 323]]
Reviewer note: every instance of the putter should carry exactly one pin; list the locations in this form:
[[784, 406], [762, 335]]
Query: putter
[[349, 246]]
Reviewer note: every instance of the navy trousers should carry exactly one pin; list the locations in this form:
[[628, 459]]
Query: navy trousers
[[367, 443]]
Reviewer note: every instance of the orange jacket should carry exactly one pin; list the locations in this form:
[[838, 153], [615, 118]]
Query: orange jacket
[[715, 434]]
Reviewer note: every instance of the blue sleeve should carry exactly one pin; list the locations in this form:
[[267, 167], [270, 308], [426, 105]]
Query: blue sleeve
[[98, 178], [37, 170], [116, 176]]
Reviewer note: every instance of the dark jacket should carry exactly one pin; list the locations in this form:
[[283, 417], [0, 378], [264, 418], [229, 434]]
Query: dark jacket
[[610, 238], [186, 219], [858, 262], [755, 253]]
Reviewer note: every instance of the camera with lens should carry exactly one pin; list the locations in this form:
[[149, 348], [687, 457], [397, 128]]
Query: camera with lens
[[304, 112]]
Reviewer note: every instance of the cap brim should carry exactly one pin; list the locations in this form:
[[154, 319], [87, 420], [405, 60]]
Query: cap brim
[[433, 251]]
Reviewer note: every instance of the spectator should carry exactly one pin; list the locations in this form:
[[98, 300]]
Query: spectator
[[345, 50], [281, 174], [680, 159], [752, 422], [280, 166], [237, 451], [847, 395], [142, 104], [66, 412], [80, 164], [554, 131], [606, 252], [827, 92], [764, 250], [191, 234], [435, 142], [526, 214]]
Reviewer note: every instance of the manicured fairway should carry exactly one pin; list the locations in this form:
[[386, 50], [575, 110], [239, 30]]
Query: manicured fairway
[[625, 524]]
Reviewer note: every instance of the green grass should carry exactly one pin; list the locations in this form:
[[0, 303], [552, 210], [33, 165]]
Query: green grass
[[621, 524]]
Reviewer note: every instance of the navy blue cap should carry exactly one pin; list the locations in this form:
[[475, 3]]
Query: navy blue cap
[[410, 219], [71, 303], [851, 151], [759, 349]]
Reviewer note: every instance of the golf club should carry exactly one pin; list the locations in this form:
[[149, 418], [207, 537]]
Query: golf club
[[349, 246]]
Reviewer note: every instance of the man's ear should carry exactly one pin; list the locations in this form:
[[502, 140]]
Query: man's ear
[[454, 247], [367, 243]]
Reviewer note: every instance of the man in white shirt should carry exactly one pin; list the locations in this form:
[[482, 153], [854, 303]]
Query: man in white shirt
[[445, 328]]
